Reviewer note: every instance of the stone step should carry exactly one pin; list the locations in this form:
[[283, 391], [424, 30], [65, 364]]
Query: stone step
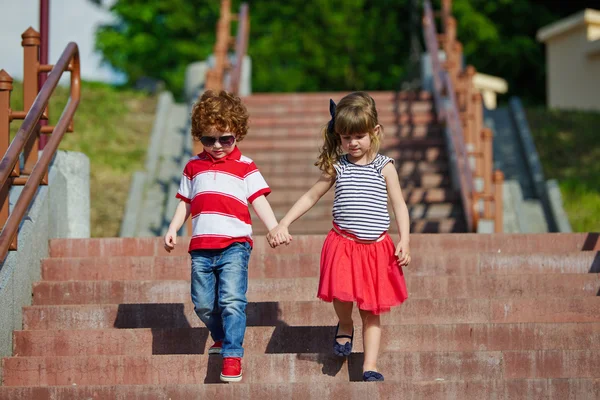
[[292, 145], [307, 158], [295, 169], [309, 339], [411, 196], [425, 181], [310, 313], [270, 100], [547, 389], [314, 226], [304, 289], [284, 263], [410, 130], [324, 210], [319, 111], [284, 368], [316, 121], [533, 243]]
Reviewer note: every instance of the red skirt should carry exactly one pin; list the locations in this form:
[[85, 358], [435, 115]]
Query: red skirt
[[368, 274]]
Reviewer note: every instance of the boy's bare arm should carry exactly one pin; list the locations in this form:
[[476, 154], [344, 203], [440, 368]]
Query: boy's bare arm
[[182, 213], [265, 212]]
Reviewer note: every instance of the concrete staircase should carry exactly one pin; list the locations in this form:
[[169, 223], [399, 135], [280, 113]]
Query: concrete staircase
[[489, 317], [284, 141]]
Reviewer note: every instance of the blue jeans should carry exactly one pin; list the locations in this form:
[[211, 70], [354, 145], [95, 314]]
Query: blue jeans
[[219, 285]]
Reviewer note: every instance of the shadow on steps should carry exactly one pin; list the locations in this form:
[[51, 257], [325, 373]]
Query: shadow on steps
[[173, 334]]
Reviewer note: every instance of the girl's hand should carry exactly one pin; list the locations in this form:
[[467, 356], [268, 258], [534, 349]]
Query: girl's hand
[[278, 236], [170, 240], [403, 253]]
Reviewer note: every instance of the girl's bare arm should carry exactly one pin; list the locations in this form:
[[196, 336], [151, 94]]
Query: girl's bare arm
[[304, 203], [400, 212]]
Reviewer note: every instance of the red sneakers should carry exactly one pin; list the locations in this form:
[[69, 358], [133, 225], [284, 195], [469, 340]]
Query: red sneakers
[[216, 348], [232, 369]]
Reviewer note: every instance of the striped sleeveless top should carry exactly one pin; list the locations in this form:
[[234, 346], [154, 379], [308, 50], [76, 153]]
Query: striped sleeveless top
[[360, 202]]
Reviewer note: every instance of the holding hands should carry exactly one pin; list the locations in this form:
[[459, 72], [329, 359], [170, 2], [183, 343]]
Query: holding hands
[[278, 236], [403, 253]]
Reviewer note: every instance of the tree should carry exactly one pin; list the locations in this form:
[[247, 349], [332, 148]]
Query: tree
[[320, 45], [158, 38], [296, 45]]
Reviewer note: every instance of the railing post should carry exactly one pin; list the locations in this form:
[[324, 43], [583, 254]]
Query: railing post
[[446, 11], [5, 88], [487, 138], [31, 64], [44, 33], [498, 199]]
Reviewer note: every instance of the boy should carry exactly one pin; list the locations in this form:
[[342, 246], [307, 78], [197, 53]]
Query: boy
[[216, 188]]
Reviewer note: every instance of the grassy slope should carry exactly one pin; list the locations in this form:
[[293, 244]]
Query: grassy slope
[[112, 127], [569, 147]]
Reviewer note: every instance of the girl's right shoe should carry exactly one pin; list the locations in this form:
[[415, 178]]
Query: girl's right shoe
[[342, 350]]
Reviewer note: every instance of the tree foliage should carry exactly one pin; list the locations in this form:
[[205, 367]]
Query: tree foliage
[[320, 45]]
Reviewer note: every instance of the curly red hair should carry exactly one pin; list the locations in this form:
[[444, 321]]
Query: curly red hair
[[223, 112]]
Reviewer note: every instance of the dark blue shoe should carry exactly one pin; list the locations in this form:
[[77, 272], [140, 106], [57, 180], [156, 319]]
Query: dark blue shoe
[[372, 376], [342, 350]]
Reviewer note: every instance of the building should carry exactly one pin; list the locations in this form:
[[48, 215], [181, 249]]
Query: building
[[573, 61]]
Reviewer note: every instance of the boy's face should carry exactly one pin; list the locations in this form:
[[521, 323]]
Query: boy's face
[[218, 144]]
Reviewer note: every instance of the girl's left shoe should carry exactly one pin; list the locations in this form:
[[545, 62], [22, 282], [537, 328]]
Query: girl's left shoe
[[372, 376]]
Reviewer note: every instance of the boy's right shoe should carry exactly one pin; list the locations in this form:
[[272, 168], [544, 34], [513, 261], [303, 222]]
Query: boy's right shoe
[[216, 348], [232, 369]]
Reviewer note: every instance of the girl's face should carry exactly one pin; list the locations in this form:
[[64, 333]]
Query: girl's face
[[357, 145]]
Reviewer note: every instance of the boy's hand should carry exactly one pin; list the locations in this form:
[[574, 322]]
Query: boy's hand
[[403, 253], [278, 236], [170, 240]]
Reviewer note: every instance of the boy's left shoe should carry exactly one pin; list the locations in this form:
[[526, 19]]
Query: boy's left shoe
[[216, 347], [232, 369]]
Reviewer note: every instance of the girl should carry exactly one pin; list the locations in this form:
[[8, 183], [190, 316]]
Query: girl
[[359, 262]]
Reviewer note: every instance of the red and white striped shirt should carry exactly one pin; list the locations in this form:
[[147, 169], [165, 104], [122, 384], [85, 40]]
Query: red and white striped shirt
[[219, 191]]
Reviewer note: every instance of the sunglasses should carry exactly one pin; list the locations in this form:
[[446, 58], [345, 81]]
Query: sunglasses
[[209, 141]]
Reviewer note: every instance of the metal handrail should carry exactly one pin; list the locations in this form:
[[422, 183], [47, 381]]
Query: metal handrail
[[448, 112], [431, 43], [68, 61]]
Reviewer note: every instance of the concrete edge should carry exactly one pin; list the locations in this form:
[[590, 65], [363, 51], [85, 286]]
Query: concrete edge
[[532, 159], [512, 197], [47, 217], [163, 108], [139, 178], [132, 207], [556, 206]]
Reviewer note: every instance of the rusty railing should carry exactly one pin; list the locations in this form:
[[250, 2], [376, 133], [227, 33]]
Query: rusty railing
[[35, 171], [215, 77], [222, 75], [460, 107]]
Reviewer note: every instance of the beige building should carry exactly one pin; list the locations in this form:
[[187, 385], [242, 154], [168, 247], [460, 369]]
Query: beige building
[[573, 61]]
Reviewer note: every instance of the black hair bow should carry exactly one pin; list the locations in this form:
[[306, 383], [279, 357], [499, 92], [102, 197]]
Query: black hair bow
[[330, 126]]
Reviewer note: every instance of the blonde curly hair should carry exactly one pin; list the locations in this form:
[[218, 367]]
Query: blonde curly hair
[[222, 111]]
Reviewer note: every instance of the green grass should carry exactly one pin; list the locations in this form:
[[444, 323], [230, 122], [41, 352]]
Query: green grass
[[568, 144], [112, 127]]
